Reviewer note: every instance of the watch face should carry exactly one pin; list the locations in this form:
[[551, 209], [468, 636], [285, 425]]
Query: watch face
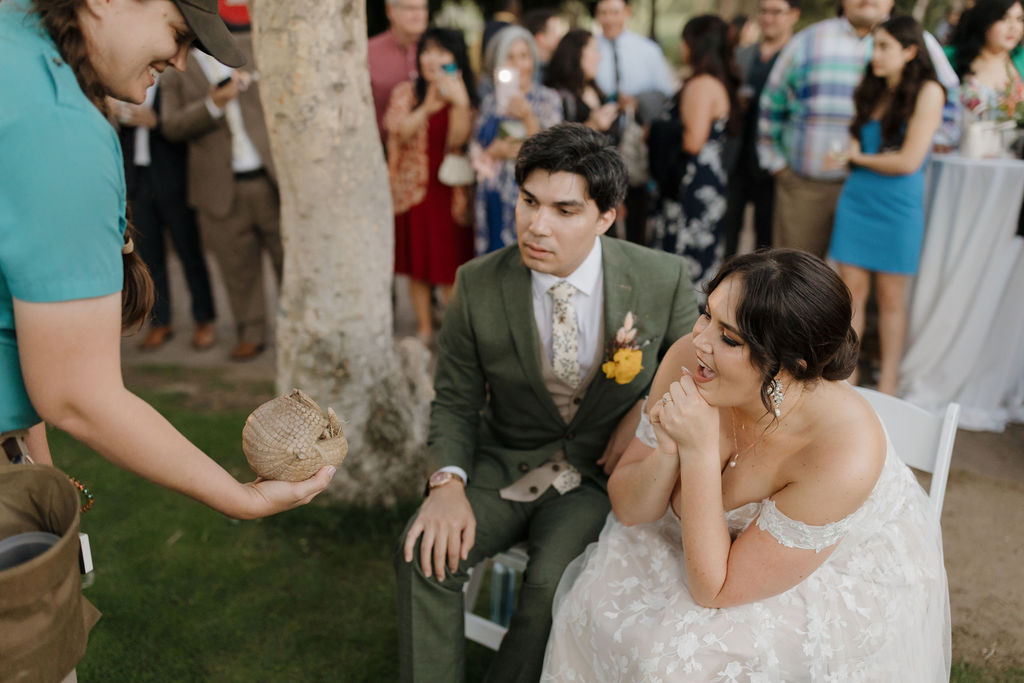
[[438, 478]]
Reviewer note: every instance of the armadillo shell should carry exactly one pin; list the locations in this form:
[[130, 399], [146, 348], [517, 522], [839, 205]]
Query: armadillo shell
[[290, 438]]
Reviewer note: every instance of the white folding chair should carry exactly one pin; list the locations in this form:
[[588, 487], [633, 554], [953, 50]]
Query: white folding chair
[[921, 439], [505, 566]]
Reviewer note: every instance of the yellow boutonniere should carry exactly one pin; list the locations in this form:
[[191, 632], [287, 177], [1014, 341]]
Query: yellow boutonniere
[[624, 360]]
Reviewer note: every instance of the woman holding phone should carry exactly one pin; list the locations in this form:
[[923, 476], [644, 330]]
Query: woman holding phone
[[517, 109], [879, 222], [426, 119]]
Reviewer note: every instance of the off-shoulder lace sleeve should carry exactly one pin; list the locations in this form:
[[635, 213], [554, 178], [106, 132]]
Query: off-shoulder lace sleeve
[[644, 430], [794, 534]]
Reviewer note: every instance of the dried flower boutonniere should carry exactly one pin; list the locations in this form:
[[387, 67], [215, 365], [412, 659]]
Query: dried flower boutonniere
[[624, 356]]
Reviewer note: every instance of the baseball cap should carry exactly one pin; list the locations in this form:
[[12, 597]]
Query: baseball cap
[[212, 36]]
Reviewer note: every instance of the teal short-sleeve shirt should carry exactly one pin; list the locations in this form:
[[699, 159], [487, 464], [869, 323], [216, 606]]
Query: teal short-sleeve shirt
[[62, 192]]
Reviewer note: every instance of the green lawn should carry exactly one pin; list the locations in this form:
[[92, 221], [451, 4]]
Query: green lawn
[[189, 595]]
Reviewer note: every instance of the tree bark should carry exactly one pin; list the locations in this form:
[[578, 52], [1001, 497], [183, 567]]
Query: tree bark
[[334, 328]]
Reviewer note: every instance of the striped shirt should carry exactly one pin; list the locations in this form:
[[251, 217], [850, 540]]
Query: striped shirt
[[807, 104]]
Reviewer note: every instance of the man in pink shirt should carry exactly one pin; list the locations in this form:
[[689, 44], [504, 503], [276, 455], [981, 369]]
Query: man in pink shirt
[[392, 54]]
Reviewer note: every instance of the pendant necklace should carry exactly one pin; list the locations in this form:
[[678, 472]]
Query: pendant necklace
[[738, 451]]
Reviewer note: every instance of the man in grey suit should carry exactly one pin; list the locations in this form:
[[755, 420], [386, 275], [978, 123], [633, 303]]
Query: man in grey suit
[[525, 412], [231, 179]]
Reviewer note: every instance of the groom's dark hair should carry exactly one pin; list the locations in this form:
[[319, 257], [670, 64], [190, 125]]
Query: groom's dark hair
[[574, 148]]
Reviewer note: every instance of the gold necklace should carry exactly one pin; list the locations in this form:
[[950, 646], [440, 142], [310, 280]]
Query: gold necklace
[[736, 453]]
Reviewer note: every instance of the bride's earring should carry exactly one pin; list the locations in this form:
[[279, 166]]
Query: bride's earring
[[777, 395]]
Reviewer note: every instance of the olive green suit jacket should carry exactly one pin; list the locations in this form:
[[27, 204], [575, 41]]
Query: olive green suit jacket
[[492, 414]]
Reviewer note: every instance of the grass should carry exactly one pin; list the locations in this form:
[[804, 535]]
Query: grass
[[189, 595]]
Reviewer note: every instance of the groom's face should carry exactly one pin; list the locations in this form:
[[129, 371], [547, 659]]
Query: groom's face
[[557, 222]]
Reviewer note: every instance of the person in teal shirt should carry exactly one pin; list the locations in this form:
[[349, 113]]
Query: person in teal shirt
[[68, 277]]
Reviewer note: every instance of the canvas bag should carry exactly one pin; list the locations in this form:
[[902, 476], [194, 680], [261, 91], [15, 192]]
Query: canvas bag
[[44, 618]]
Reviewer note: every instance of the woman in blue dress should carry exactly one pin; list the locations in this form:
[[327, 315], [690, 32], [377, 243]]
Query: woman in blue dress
[[880, 216]]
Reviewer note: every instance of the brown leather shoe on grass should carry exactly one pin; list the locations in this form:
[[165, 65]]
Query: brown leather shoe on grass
[[157, 337], [246, 351], [204, 336]]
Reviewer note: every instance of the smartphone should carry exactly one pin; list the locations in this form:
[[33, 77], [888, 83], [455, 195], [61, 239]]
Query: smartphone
[[506, 86], [224, 81]]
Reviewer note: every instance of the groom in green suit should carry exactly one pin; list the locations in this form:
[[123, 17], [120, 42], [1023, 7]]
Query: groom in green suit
[[547, 349]]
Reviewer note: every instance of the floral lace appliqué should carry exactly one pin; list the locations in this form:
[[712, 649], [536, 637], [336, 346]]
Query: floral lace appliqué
[[794, 534]]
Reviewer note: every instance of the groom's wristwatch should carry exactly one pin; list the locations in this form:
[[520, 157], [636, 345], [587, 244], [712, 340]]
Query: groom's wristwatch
[[439, 479]]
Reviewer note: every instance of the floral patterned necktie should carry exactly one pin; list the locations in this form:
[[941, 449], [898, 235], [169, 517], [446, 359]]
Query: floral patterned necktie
[[565, 338]]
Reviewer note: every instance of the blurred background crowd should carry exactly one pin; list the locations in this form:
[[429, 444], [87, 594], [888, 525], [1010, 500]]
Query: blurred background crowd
[[806, 126]]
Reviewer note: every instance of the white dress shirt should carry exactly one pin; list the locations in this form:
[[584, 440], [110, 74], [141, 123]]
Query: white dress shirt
[[142, 157], [642, 66]]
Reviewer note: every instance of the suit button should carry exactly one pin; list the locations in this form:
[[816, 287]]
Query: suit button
[[533, 489], [569, 436], [555, 468], [577, 401], [523, 467]]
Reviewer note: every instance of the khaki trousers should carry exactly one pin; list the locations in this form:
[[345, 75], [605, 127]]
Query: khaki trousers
[[804, 212], [237, 241]]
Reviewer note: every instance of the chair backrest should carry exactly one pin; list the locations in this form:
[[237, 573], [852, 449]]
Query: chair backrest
[[921, 439]]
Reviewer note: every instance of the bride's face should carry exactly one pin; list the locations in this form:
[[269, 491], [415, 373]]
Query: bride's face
[[724, 375]]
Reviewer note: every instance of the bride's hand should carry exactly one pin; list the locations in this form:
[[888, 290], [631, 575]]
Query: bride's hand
[[688, 420], [665, 443]]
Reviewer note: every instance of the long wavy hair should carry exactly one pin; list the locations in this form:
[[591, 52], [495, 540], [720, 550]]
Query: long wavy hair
[[565, 70], [452, 41], [873, 89], [969, 36], [60, 18], [711, 53]]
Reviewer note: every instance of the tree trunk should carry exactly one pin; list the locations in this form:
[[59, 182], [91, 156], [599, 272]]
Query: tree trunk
[[334, 329]]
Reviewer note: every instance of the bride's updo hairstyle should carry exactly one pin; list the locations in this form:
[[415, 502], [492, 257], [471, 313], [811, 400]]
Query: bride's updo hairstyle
[[794, 314]]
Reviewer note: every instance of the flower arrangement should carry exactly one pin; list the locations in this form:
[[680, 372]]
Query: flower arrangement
[[624, 359], [1011, 104]]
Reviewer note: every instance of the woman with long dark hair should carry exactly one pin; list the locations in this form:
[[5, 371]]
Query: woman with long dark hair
[[70, 280], [879, 222], [687, 219], [986, 54], [427, 118], [571, 72]]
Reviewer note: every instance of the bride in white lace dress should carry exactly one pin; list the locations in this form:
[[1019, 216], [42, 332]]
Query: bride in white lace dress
[[753, 544]]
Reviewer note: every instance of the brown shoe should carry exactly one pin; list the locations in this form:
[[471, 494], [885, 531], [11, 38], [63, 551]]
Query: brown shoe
[[204, 336], [246, 350], [157, 337]]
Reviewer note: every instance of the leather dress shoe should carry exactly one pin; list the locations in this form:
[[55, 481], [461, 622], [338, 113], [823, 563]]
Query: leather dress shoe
[[246, 350], [157, 337], [204, 336]]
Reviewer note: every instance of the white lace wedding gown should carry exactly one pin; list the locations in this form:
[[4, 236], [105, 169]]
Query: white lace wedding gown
[[876, 610]]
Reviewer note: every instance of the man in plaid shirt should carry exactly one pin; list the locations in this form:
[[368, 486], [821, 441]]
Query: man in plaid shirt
[[805, 112]]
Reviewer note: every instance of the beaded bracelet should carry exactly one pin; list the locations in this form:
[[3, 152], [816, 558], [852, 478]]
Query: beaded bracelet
[[85, 492]]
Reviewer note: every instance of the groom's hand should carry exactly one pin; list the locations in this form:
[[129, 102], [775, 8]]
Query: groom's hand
[[448, 527]]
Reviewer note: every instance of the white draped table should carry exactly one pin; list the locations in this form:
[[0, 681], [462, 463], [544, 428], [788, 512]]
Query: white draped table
[[965, 340]]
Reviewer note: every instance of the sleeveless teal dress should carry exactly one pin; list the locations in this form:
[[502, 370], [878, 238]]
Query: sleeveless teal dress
[[879, 221]]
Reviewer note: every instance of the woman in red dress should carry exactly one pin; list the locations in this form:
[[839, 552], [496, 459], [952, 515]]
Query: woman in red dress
[[426, 119]]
